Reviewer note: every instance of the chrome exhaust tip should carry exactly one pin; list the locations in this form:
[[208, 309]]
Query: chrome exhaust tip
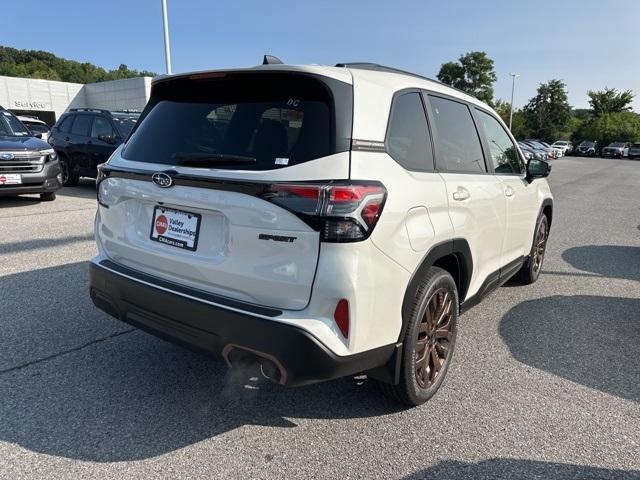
[[270, 367]]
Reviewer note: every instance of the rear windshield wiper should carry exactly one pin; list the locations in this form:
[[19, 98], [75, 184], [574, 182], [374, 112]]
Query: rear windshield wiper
[[213, 159]]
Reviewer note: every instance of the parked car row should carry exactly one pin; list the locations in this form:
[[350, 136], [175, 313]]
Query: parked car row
[[540, 150], [590, 148], [586, 148], [34, 159]]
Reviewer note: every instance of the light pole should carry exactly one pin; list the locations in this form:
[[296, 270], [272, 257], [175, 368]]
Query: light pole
[[513, 86], [165, 26]]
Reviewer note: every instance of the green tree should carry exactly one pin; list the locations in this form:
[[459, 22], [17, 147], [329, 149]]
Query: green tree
[[548, 115], [473, 73], [39, 64], [611, 127], [610, 100], [518, 128]]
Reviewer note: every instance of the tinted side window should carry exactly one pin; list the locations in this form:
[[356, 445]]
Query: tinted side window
[[101, 127], [503, 152], [456, 137], [81, 125], [408, 139], [65, 126]]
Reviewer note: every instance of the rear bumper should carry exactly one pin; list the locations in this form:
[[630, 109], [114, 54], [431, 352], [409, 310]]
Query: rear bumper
[[41, 182], [224, 328]]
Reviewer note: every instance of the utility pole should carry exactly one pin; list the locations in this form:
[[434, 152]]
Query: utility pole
[[167, 48], [513, 86]]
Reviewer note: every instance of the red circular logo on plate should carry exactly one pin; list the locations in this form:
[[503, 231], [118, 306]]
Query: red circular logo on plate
[[162, 224]]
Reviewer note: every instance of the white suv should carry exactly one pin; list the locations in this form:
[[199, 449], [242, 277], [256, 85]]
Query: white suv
[[321, 221]]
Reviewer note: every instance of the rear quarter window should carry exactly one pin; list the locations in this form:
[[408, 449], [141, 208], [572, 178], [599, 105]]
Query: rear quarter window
[[65, 124], [408, 140]]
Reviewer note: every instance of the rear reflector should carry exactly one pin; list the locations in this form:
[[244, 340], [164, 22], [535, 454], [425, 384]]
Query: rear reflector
[[341, 316]]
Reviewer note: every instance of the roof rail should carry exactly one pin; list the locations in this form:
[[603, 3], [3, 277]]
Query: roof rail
[[83, 109], [382, 68]]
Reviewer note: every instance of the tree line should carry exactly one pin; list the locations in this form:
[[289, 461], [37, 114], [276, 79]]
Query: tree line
[[548, 115], [45, 65]]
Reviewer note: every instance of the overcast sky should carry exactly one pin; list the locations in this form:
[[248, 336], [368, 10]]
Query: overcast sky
[[589, 44]]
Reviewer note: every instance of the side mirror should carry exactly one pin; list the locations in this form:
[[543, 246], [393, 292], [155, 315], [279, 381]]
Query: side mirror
[[36, 134], [107, 139], [537, 169]]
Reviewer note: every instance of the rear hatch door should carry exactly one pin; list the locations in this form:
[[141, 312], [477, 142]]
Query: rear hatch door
[[189, 198]]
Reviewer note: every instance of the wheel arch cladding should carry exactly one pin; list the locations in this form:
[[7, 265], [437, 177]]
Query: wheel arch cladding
[[453, 256]]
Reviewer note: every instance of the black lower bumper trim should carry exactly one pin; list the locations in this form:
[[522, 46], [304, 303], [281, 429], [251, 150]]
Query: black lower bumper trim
[[210, 328], [30, 189]]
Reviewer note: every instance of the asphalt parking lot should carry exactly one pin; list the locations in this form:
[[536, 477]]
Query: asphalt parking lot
[[545, 382]]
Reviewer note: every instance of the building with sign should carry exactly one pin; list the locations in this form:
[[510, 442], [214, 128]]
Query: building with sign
[[48, 99]]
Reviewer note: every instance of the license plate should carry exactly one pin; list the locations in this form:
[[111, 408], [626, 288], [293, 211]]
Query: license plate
[[175, 227], [10, 179]]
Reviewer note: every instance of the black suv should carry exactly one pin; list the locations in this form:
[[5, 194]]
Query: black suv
[[27, 163], [85, 138]]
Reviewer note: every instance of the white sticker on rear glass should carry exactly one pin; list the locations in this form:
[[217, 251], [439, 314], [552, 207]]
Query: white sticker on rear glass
[[282, 161]]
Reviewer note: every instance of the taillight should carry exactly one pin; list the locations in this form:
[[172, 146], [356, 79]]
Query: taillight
[[342, 212]]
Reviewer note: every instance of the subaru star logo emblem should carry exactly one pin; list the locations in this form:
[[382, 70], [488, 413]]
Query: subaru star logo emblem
[[6, 156], [162, 179]]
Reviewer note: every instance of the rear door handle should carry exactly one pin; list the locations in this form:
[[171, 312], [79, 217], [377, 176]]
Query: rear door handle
[[509, 192], [461, 194]]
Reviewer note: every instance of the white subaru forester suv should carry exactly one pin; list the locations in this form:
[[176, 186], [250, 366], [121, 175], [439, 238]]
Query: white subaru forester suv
[[320, 221]]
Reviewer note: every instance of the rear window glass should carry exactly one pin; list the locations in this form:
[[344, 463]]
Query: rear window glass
[[248, 122], [125, 124], [65, 124], [36, 127]]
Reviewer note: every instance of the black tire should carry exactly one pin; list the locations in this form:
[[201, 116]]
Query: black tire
[[70, 176], [531, 269], [48, 197], [436, 296]]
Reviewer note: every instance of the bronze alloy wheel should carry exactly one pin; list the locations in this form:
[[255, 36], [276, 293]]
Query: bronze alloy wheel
[[434, 338], [540, 245]]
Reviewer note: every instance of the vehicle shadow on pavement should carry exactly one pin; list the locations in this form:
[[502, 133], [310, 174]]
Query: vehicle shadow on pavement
[[512, 469], [20, 201], [120, 394], [607, 260], [590, 340], [25, 245], [86, 188]]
